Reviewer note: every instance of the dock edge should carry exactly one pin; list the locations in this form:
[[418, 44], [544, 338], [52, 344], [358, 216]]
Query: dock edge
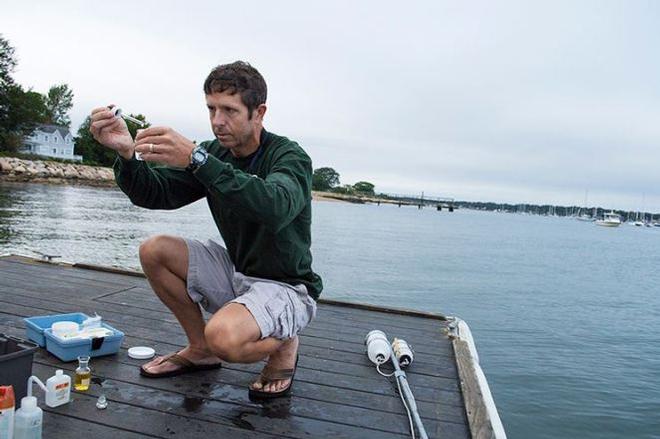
[[483, 418]]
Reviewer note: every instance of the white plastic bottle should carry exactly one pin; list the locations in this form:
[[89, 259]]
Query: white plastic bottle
[[58, 389], [28, 420]]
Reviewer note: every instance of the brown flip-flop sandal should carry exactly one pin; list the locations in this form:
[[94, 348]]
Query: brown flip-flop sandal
[[187, 366], [267, 376]]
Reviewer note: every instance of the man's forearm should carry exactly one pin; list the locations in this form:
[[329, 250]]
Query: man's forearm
[[274, 201]]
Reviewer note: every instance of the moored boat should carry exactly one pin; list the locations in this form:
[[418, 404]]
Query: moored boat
[[610, 219]]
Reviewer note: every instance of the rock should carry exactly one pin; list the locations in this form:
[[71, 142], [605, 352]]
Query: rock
[[20, 169], [86, 174], [5, 165], [70, 172]]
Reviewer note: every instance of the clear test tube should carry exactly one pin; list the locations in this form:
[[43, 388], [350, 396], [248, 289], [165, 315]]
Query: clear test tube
[[117, 112]]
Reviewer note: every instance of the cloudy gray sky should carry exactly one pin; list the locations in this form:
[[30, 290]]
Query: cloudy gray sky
[[512, 101]]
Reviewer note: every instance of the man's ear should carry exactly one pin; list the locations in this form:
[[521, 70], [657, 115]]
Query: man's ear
[[261, 111]]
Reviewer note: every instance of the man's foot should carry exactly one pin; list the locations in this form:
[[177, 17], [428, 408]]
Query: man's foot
[[187, 360], [283, 359]]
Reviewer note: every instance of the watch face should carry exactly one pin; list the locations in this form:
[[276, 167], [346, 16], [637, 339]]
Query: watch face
[[198, 156]]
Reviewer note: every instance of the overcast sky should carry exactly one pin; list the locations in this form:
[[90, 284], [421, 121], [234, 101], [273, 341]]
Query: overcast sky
[[511, 101]]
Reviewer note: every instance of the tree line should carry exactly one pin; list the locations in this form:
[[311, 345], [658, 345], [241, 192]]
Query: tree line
[[327, 180], [22, 110]]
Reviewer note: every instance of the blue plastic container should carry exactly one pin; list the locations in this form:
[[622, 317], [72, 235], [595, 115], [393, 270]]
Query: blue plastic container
[[69, 350], [38, 330], [35, 326]]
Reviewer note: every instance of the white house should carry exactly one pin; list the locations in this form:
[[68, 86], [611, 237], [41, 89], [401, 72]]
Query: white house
[[51, 141]]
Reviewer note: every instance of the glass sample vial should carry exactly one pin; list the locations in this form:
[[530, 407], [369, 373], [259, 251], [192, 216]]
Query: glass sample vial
[[102, 402], [83, 374]]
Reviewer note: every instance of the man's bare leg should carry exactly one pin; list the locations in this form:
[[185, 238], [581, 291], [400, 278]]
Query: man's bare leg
[[233, 335], [164, 261]]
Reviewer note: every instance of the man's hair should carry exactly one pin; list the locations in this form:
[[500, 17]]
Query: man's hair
[[238, 77]]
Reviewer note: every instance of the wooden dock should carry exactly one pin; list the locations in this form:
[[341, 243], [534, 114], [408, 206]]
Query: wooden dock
[[337, 392]]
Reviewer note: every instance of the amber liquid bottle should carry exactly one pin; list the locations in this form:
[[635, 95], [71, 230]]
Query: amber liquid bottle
[[83, 375]]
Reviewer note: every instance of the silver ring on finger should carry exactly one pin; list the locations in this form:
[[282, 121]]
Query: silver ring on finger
[[151, 148]]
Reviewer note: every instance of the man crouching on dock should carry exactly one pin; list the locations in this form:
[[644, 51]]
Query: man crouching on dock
[[261, 288]]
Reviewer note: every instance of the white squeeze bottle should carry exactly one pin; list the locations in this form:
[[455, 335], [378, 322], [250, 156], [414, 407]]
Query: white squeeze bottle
[[28, 419], [58, 389]]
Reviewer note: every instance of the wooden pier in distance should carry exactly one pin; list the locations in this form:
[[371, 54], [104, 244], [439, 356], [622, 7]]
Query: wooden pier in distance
[[337, 391], [439, 203]]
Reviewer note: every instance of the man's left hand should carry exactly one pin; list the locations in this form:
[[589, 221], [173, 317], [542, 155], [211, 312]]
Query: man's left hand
[[164, 145]]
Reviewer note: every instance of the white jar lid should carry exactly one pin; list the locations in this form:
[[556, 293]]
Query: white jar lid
[[64, 328], [141, 352]]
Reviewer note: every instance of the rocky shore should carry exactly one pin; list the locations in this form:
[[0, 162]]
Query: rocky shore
[[44, 171]]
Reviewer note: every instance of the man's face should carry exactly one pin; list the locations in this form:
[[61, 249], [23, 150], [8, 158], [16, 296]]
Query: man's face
[[229, 119]]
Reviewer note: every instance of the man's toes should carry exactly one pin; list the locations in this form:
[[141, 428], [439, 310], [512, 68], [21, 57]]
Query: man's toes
[[276, 386], [148, 365], [155, 362]]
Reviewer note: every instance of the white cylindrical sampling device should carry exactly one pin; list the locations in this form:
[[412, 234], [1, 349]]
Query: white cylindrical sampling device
[[378, 348], [403, 352]]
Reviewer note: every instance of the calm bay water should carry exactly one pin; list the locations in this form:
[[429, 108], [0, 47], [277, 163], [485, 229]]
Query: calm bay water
[[566, 315]]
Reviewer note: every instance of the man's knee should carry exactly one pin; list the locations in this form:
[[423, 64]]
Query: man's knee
[[230, 331], [163, 251], [150, 251], [223, 340]]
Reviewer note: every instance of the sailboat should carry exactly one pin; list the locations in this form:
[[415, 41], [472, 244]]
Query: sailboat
[[583, 216], [638, 221]]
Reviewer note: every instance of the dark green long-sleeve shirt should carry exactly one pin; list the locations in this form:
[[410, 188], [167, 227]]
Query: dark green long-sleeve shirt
[[265, 219]]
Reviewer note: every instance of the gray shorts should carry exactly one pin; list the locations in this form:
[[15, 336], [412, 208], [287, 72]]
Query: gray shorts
[[281, 310]]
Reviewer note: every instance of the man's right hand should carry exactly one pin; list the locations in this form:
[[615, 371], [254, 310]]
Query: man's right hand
[[111, 131]]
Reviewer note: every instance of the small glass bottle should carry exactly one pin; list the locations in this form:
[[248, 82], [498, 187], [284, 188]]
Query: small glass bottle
[[83, 374]]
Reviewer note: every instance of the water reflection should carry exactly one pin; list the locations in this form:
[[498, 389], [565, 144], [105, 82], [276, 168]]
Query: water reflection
[[88, 224], [7, 211], [192, 404]]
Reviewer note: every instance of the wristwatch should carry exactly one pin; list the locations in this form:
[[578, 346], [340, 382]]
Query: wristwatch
[[198, 158]]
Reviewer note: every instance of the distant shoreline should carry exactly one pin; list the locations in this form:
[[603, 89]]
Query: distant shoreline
[[13, 169]]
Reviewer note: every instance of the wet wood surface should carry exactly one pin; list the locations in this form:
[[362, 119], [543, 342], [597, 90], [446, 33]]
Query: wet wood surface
[[337, 391]]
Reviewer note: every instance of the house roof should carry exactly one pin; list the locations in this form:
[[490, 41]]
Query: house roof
[[52, 128]]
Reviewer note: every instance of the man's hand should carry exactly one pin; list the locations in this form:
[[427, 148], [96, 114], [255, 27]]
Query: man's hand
[[111, 131], [164, 145]]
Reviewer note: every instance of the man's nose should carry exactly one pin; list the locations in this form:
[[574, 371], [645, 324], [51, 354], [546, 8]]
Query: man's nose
[[219, 119]]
